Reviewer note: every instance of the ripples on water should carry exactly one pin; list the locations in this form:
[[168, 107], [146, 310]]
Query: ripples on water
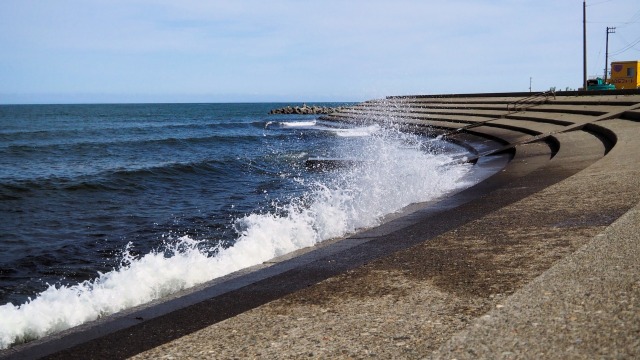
[[105, 207]]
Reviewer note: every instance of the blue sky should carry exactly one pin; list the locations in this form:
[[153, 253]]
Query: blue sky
[[69, 51]]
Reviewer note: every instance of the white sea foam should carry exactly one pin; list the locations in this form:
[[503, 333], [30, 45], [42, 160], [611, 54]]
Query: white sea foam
[[396, 173], [357, 132], [298, 123]]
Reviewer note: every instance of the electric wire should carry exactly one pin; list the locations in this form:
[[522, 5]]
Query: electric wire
[[628, 46]]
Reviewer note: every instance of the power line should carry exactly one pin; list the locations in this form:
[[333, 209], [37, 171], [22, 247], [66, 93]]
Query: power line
[[628, 46], [601, 2], [634, 18], [627, 43]]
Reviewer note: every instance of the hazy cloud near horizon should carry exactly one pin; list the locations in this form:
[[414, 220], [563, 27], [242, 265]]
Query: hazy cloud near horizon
[[215, 51]]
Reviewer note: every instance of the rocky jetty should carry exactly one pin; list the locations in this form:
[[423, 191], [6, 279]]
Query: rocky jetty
[[305, 110]]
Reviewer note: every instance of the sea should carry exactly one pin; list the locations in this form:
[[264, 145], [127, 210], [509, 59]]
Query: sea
[[105, 207]]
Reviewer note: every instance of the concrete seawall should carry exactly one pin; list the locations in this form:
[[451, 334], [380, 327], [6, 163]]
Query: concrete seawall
[[538, 261]]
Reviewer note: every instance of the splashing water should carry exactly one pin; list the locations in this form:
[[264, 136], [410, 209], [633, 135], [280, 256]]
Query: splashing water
[[394, 172]]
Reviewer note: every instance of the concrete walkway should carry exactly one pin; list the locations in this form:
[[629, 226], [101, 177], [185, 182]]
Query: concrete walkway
[[543, 277], [588, 304], [538, 261]]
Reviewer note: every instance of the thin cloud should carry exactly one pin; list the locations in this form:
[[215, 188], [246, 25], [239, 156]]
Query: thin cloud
[[298, 49]]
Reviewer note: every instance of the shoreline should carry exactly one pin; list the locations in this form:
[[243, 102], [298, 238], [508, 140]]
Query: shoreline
[[430, 278]]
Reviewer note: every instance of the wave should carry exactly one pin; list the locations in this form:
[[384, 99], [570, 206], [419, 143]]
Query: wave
[[340, 204], [162, 139], [292, 124], [119, 127], [115, 179], [316, 125], [357, 132], [298, 123]]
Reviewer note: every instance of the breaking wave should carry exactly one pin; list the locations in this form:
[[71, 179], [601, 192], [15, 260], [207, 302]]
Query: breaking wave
[[398, 172]]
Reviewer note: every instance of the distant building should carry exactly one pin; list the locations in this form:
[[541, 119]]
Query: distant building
[[625, 74]]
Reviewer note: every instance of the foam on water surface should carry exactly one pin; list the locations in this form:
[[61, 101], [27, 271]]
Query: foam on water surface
[[298, 123], [398, 172]]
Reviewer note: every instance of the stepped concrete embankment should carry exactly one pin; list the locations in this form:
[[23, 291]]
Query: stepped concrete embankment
[[537, 261]]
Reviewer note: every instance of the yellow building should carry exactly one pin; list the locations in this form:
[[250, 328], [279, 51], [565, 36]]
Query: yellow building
[[625, 74]]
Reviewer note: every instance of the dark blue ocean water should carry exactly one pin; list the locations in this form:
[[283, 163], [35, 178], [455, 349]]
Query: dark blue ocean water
[[78, 182], [104, 207]]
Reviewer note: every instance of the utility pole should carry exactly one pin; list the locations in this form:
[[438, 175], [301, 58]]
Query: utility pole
[[584, 45], [610, 30]]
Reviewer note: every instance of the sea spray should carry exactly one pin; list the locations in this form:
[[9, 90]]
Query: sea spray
[[392, 171]]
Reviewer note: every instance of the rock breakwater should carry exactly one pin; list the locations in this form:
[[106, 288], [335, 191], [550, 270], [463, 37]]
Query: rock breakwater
[[306, 110]]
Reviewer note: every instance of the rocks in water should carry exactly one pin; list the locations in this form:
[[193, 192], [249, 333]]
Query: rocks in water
[[305, 110]]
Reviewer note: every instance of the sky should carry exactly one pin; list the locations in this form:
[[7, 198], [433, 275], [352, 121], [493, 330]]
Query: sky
[[104, 51]]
